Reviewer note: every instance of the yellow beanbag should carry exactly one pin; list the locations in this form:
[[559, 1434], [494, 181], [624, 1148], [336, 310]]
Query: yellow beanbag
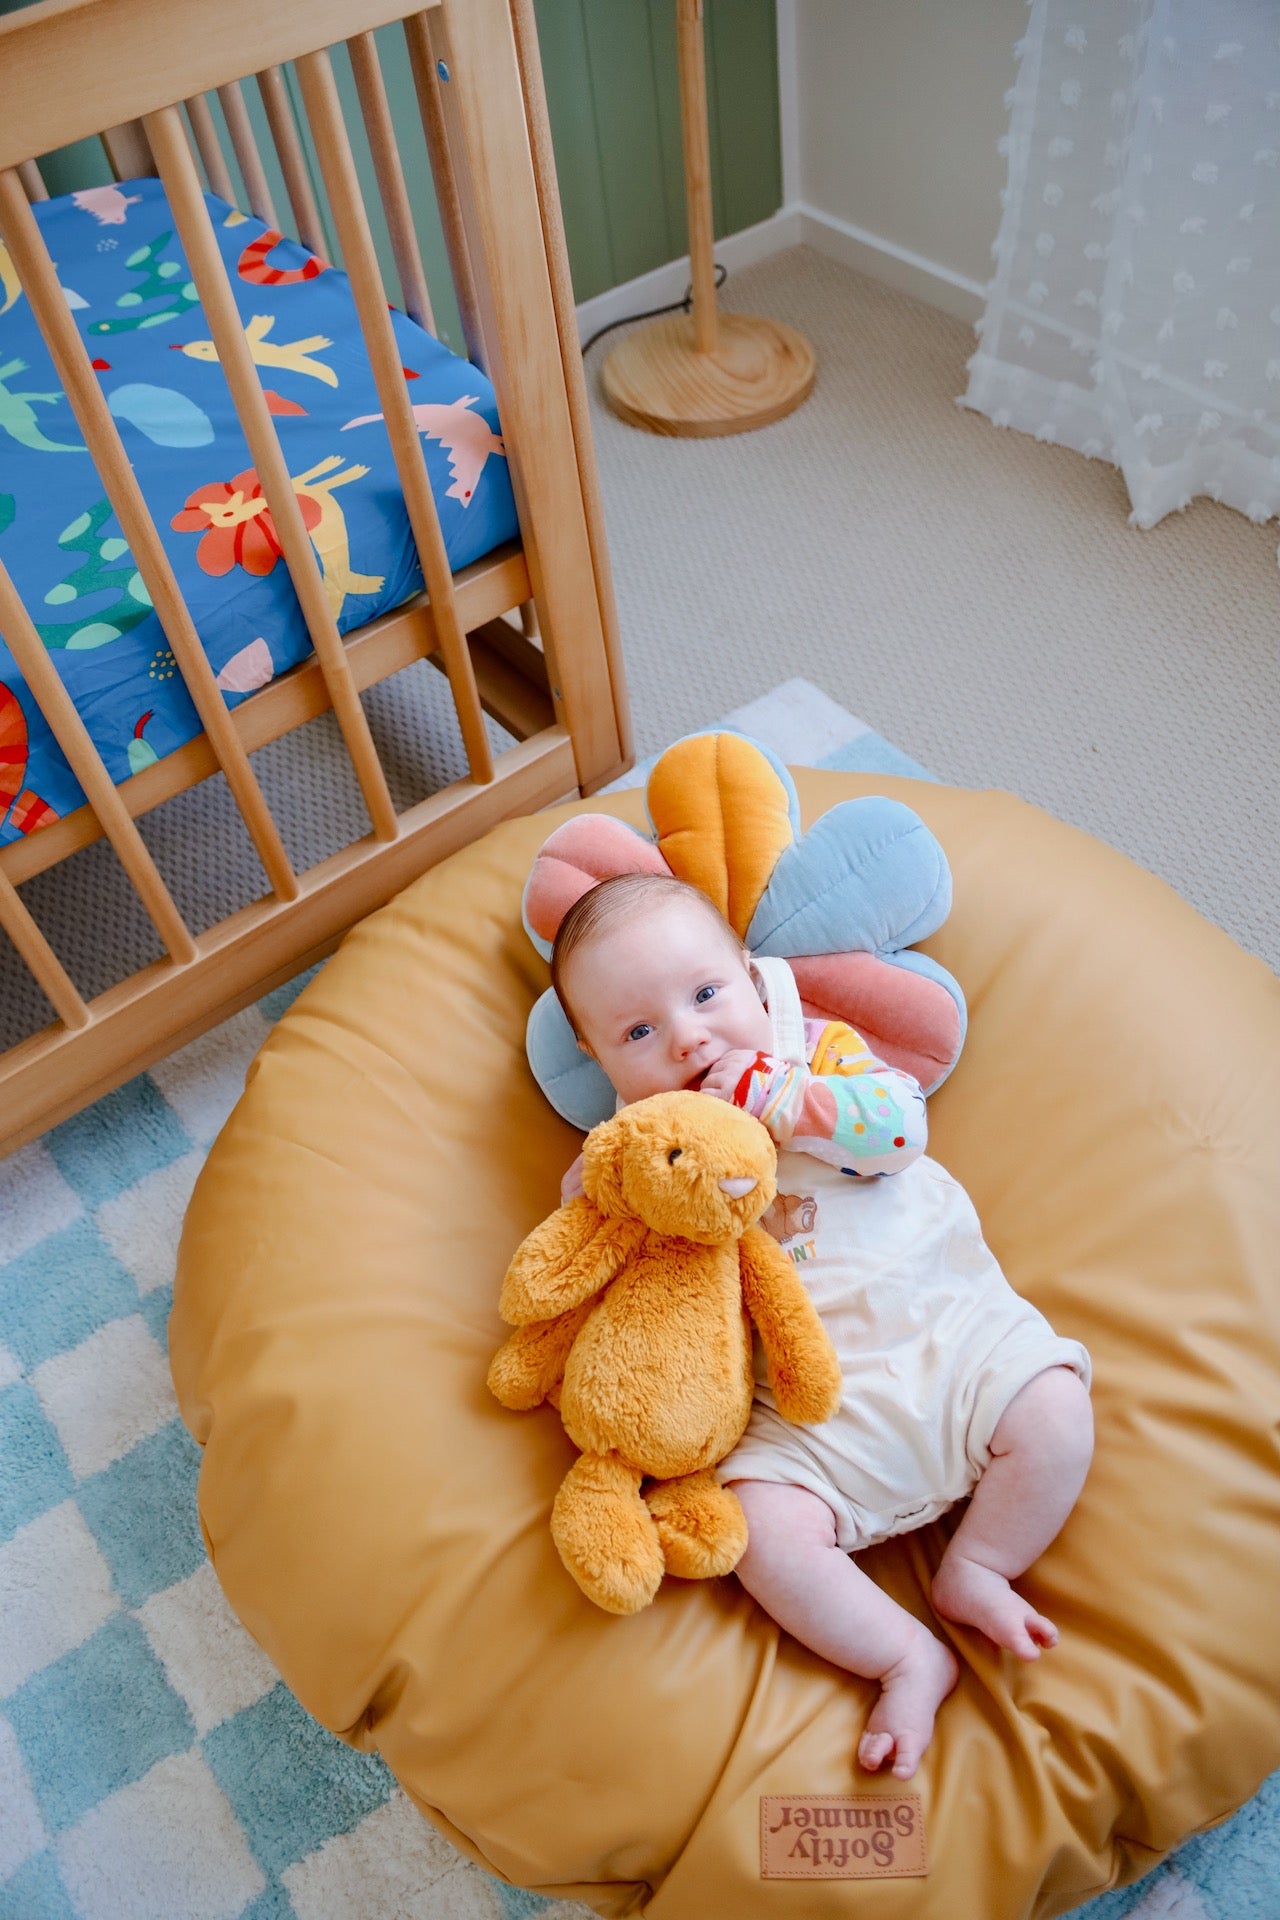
[[380, 1523]]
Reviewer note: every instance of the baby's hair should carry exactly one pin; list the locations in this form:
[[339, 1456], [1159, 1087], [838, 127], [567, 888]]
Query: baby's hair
[[609, 901]]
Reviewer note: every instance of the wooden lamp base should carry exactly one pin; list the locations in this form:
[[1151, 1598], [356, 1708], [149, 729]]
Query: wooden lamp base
[[758, 371]]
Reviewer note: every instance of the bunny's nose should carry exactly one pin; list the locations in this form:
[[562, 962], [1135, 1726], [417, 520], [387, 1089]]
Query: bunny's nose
[[736, 1188]]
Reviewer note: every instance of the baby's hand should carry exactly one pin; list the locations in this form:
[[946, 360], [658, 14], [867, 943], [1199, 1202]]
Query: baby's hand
[[728, 1070], [571, 1187]]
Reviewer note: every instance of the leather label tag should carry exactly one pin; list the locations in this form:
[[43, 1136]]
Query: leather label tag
[[841, 1836]]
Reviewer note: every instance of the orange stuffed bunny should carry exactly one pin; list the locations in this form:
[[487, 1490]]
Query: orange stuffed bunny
[[633, 1308]]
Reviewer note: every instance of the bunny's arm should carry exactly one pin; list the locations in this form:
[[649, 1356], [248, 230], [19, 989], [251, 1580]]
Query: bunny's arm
[[803, 1369], [529, 1365], [574, 1253]]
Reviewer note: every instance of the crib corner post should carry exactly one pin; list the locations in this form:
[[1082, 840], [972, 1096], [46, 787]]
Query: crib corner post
[[552, 469]]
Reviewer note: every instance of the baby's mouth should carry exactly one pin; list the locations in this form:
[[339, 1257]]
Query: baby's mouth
[[695, 1085]]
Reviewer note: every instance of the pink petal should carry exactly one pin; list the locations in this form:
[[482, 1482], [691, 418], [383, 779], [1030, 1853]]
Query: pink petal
[[588, 848], [907, 1021]]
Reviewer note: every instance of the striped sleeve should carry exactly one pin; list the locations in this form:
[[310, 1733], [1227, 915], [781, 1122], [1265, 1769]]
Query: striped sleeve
[[844, 1107]]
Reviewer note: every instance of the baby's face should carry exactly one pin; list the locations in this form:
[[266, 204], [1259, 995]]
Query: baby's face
[[660, 999]]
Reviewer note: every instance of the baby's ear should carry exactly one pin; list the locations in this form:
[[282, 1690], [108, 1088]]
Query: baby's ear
[[584, 1046]]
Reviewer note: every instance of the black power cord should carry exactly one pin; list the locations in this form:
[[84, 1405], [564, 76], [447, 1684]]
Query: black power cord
[[722, 274]]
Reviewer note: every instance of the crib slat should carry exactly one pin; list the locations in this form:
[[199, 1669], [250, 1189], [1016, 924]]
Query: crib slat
[[426, 84], [390, 176], [70, 357], [324, 113], [506, 222], [524, 23], [248, 159], [32, 181], [127, 150], [306, 215], [50, 974], [71, 734], [191, 216], [216, 172], [263, 945]]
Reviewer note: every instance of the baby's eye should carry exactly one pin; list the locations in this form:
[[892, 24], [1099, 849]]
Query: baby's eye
[[704, 993], [639, 1031]]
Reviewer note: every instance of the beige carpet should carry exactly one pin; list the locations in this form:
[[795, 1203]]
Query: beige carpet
[[975, 596]]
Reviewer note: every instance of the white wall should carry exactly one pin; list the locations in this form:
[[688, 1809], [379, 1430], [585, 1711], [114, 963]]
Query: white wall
[[898, 107], [890, 114]]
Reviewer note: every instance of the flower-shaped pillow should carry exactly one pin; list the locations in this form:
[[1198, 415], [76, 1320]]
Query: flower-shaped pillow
[[842, 903]]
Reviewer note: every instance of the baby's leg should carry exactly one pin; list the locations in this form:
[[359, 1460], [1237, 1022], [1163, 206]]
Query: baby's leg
[[810, 1586], [1040, 1453]]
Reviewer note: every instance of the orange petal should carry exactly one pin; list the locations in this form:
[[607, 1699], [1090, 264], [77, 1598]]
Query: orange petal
[[722, 817]]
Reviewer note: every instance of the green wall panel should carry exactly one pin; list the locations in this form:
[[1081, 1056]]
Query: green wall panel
[[614, 103], [613, 96]]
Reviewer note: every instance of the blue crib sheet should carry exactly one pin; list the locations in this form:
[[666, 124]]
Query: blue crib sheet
[[126, 279]]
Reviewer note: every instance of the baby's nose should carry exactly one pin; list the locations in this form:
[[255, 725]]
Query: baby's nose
[[688, 1033]]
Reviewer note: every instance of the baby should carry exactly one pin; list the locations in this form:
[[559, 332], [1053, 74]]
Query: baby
[[953, 1385]]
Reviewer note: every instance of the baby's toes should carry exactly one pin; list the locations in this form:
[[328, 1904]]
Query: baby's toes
[[873, 1750], [1042, 1631], [1029, 1635]]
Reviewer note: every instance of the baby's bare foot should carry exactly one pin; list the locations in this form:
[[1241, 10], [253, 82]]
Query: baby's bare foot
[[976, 1596], [901, 1722]]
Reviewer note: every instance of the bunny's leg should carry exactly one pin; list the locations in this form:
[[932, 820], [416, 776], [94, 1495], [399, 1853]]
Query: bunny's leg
[[606, 1535], [701, 1525]]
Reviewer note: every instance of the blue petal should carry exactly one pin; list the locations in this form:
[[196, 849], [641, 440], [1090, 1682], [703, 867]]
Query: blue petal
[[868, 877], [572, 1081]]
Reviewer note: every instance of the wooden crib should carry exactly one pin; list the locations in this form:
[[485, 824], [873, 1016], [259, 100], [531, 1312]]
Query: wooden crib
[[526, 635]]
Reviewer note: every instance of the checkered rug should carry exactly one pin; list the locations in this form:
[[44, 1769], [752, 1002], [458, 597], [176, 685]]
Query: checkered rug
[[153, 1766]]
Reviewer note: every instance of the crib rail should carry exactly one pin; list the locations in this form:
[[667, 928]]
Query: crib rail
[[142, 74], [74, 67]]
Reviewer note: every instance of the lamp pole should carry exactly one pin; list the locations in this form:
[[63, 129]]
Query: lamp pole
[[704, 372]]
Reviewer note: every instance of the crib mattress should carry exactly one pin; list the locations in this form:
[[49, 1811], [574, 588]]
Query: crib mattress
[[126, 279]]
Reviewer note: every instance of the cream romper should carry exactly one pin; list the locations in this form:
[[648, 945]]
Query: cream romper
[[933, 1342]]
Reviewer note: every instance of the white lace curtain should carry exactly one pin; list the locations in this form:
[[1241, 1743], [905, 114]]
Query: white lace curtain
[[1135, 310]]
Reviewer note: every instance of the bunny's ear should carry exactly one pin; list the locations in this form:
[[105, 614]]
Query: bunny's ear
[[602, 1156], [589, 848], [571, 1255]]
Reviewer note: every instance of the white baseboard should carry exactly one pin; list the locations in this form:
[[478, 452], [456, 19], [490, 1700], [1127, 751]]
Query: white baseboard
[[798, 225], [671, 282], [897, 266]]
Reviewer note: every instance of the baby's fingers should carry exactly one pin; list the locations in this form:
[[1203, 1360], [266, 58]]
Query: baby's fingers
[[571, 1187]]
